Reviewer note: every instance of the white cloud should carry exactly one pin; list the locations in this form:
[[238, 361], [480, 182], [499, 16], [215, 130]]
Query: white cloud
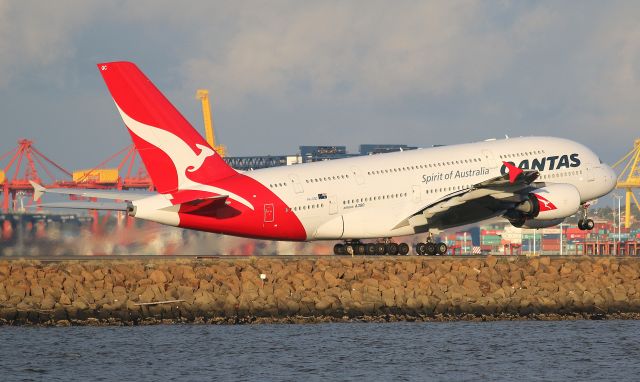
[[345, 49]]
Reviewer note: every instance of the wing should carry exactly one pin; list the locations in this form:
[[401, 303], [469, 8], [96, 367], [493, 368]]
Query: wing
[[481, 201]]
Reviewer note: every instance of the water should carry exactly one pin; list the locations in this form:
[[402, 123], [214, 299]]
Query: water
[[455, 351]]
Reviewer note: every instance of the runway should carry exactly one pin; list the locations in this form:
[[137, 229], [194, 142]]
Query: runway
[[275, 257]]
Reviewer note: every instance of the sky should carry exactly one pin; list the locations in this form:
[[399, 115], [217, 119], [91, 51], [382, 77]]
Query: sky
[[289, 73]]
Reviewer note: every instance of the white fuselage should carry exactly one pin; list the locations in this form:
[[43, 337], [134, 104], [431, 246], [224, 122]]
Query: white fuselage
[[366, 197]]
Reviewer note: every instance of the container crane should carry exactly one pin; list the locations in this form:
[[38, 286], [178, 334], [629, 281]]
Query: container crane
[[24, 162], [203, 96], [629, 179]]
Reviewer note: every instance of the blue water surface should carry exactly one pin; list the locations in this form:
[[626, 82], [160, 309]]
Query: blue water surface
[[449, 351]]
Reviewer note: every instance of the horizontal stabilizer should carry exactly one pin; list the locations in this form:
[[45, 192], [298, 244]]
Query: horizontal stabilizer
[[88, 193], [104, 206]]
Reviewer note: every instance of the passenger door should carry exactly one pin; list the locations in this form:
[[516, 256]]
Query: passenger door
[[269, 213], [297, 186], [333, 205], [357, 175]]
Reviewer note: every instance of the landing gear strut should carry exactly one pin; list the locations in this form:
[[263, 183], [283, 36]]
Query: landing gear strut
[[585, 224]]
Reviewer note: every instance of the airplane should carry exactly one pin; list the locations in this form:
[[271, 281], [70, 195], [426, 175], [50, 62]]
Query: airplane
[[533, 182]]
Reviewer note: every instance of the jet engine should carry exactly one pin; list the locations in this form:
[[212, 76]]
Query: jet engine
[[546, 205]]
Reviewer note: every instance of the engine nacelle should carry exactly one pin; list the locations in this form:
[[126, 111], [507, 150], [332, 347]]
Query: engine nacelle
[[556, 201]]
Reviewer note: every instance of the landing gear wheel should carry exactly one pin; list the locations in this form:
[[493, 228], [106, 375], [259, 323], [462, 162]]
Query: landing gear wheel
[[370, 249], [588, 224], [392, 249], [441, 248], [380, 249], [339, 249], [360, 249], [430, 249], [421, 249], [403, 249]]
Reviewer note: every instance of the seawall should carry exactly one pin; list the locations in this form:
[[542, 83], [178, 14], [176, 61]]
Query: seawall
[[318, 289]]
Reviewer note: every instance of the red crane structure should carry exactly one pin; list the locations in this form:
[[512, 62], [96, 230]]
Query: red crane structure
[[26, 163], [101, 176], [22, 166]]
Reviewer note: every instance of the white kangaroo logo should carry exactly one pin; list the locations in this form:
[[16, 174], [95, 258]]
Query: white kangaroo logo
[[182, 156], [547, 204]]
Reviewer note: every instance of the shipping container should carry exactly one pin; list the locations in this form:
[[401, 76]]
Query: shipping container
[[108, 175]]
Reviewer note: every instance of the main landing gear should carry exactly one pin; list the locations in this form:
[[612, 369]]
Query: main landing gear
[[585, 224], [355, 247], [431, 248], [386, 247]]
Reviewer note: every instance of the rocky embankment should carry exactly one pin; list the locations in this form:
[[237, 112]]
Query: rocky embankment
[[322, 289]]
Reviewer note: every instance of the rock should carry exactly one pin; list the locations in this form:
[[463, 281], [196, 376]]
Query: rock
[[147, 295], [80, 305], [64, 299], [491, 261], [158, 277], [324, 304], [48, 302], [37, 291]]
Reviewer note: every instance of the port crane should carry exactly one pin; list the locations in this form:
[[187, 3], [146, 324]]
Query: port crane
[[629, 179], [203, 96]]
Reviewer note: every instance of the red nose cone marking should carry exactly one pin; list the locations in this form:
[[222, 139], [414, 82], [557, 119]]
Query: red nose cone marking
[[513, 171]]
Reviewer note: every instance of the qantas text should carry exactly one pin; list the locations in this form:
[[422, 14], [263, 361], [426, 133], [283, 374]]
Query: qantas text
[[555, 162]]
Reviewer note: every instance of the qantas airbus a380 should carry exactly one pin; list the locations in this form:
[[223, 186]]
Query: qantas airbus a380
[[533, 182]]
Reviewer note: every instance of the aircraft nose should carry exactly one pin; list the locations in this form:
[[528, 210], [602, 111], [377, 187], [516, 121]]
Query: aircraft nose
[[611, 178]]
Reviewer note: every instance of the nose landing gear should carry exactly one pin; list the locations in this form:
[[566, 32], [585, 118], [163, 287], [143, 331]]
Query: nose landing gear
[[585, 224]]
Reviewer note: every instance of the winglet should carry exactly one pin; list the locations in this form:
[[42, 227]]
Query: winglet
[[514, 171], [38, 190]]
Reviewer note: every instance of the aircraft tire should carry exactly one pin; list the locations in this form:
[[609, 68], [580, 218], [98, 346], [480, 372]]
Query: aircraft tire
[[421, 249], [588, 224], [581, 225], [430, 249], [339, 249], [392, 249], [381, 250], [441, 248], [403, 249], [371, 249], [361, 250]]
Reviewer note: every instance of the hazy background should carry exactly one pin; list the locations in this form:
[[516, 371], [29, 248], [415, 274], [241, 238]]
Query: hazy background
[[288, 73]]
